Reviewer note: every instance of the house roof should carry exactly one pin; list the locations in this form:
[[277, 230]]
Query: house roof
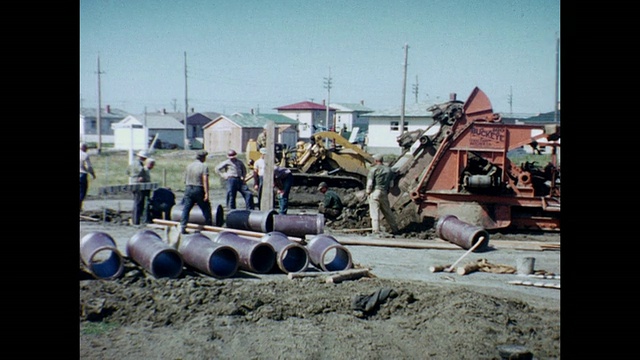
[[153, 121], [305, 105], [246, 120], [544, 118], [113, 114], [202, 118], [351, 107], [413, 109], [279, 119]]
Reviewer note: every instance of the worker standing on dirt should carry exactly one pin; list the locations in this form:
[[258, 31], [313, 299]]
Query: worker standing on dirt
[[378, 183], [258, 173], [196, 180], [234, 172], [282, 181], [331, 206], [85, 168], [137, 175]]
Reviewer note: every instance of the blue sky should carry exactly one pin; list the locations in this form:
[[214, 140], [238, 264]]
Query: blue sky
[[263, 54]]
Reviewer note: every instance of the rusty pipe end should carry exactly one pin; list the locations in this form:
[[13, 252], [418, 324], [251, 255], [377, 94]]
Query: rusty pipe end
[[214, 259], [100, 255], [291, 257], [148, 250], [327, 254]]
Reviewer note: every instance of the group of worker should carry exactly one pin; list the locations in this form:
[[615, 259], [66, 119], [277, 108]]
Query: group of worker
[[379, 180]]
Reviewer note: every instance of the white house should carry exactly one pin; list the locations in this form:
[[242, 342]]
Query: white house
[[312, 117], [350, 115], [384, 127], [140, 129]]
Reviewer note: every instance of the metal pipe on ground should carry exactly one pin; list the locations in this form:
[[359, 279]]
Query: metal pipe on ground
[[100, 255], [254, 220], [214, 259], [299, 225], [327, 254], [217, 229], [254, 255], [291, 257], [450, 228], [148, 250], [196, 216]]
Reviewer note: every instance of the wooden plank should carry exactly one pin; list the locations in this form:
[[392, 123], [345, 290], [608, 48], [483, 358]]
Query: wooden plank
[[114, 189], [351, 274]]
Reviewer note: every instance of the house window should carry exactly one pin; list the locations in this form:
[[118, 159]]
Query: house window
[[395, 126]]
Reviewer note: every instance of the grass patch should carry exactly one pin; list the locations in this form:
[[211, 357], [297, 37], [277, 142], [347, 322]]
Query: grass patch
[[111, 168], [96, 328]]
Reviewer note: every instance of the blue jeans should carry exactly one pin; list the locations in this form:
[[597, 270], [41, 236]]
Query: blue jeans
[[235, 185], [84, 185], [283, 201], [195, 195]]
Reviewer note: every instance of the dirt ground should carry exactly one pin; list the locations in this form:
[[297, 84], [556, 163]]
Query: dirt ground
[[410, 315]]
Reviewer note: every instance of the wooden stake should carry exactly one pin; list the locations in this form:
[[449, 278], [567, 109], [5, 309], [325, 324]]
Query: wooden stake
[[476, 245]]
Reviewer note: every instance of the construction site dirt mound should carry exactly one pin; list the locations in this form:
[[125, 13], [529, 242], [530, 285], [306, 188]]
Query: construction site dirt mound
[[247, 316]]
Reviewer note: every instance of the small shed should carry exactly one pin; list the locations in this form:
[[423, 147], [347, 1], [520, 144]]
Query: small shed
[[232, 132]]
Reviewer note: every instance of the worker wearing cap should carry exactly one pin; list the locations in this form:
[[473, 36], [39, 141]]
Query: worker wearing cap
[[137, 175], [258, 174], [235, 172], [378, 182], [331, 206], [196, 180]]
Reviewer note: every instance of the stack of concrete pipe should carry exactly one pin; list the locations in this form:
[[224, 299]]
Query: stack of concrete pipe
[[196, 216], [157, 257]]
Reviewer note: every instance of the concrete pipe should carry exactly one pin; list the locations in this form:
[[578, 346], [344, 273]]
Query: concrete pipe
[[327, 254], [196, 216], [100, 255], [299, 225], [254, 220], [254, 255], [211, 258], [465, 235], [291, 257], [148, 250]]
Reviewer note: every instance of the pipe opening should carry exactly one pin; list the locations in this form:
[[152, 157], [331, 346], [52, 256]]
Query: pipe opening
[[335, 258], [294, 259], [224, 262], [263, 258], [106, 263], [166, 264]]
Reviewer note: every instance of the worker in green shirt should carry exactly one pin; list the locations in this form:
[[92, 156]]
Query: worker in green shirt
[[331, 206]]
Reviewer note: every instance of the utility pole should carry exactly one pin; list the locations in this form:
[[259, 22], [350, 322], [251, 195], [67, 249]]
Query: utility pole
[[186, 103], [510, 100], [555, 114], [415, 89], [175, 107], [99, 113], [404, 88], [327, 85]]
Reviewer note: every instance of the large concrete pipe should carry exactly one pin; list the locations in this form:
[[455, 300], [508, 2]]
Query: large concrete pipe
[[196, 216], [211, 258], [100, 255], [148, 250], [254, 220], [450, 228], [291, 257], [327, 254], [254, 255], [299, 225]]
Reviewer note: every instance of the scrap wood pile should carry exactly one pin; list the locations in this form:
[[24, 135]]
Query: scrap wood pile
[[482, 265]]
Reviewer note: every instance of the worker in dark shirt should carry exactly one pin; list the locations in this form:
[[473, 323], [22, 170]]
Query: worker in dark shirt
[[331, 206], [282, 182]]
